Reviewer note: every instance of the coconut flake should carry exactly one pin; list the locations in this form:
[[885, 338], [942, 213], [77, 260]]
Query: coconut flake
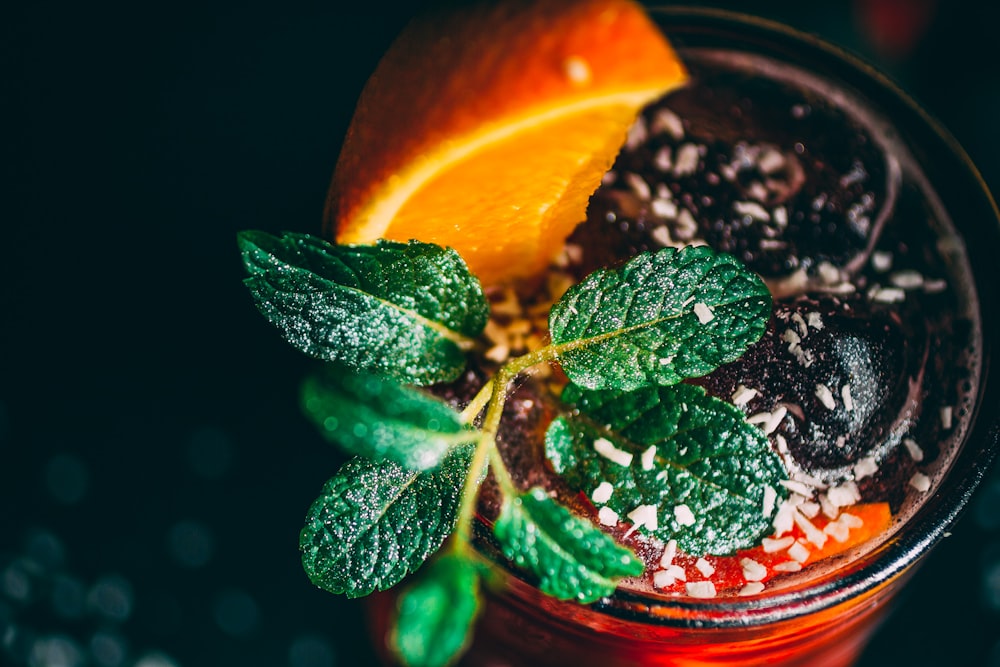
[[787, 566], [837, 530], [844, 494], [772, 545], [770, 498], [648, 457], [798, 552], [703, 312], [643, 515], [920, 482], [752, 570], [946, 417], [606, 448], [684, 516], [865, 467], [703, 566], [752, 588], [700, 589], [687, 160], [825, 396], [907, 279], [669, 551], [743, 395], [602, 493], [913, 449], [607, 516], [889, 295], [813, 534]]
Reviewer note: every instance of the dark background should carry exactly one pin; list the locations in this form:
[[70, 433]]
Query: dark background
[[154, 467]]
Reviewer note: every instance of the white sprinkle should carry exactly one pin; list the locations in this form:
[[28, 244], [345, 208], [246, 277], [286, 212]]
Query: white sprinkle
[[607, 516], [667, 121], [700, 589], [825, 396], [687, 160], [662, 160], [889, 295], [851, 520], [669, 551], [684, 515], [772, 545], [881, 261], [602, 493], [638, 185], [743, 395], [751, 209], [703, 312], [577, 69], [913, 449], [920, 482], [865, 467], [908, 279], [643, 515], [677, 572], [787, 566], [813, 534], [798, 552], [797, 487], [770, 498], [845, 395], [815, 320], [828, 273], [664, 208], [844, 495], [837, 530], [752, 570], [829, 509], [946, 417], [703, 566], [605, 448], [752, 588]]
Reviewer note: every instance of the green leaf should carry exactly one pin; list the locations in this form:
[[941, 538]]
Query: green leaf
[[375, 522], [380, 419], [573, 559], [403, 310], [436, 613], [638, 325], [706, 458]]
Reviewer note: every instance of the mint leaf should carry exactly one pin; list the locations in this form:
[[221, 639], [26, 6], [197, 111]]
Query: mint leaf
[[706, 458], [639, 325], [379, 419], [436, 613], [375, 522], [573, 559], [403, 310]]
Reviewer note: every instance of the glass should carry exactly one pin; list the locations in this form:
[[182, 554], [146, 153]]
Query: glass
[[825, 616]]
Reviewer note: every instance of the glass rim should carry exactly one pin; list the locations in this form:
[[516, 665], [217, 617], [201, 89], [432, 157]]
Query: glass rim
[[977, 450]]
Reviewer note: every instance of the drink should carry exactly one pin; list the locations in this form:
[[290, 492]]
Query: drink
[[872, 282]]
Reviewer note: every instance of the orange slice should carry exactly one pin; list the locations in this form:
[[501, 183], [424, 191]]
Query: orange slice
[[487, 128]]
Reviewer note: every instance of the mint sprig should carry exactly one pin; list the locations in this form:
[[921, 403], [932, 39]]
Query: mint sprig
[[658, 319], [394, 317], [572, 558], [702, 455], [409, 311], [376, 522], [380, 419]]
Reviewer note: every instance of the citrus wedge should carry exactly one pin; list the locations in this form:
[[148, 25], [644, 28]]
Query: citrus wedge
[[487, 128]]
